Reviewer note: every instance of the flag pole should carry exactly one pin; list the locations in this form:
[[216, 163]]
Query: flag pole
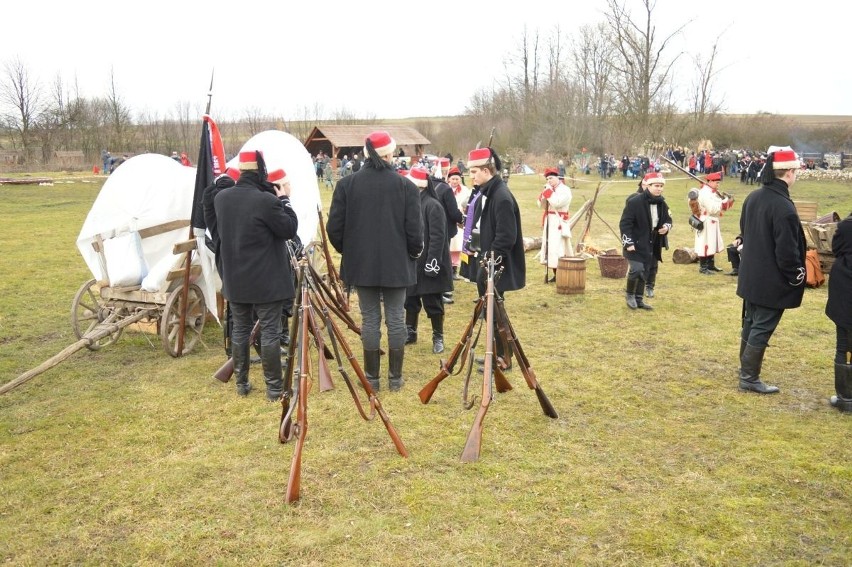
[[187, 268]]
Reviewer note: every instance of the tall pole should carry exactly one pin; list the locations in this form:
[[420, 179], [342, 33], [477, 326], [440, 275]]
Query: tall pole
[[187, 268]]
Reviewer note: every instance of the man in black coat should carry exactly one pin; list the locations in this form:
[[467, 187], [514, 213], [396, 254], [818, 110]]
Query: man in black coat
[[499, 226], [255, 221], [374, 222], [772, 266], [434, 269], [645, 222]]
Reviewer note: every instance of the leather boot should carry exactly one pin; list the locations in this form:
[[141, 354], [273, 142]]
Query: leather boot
[[704, 269], [411, 327], [734, 259], [270, 357], [395, 357], [630, 292], [711, 264], [751, 362], [843, 387], [640, 292], [437, 334], [372, 364], [241, 367]]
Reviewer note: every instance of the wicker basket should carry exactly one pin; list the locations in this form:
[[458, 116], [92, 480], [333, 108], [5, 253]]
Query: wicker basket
[[613, 266]]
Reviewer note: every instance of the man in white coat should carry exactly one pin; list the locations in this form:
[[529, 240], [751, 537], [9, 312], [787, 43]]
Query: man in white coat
[[708, 240], [556, 238]]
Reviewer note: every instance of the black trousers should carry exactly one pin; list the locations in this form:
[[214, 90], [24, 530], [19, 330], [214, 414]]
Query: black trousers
[[430, 302], [759, 322], [844, 345]]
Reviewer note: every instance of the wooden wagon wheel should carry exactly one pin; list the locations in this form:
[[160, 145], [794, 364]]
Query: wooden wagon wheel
[[196, 313], [87, 311]]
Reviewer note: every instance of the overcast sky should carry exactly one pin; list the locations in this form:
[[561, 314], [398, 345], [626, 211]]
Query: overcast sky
[[403, 59]]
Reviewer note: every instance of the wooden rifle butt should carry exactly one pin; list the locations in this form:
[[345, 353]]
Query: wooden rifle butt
[[426, 392], [225, 371]]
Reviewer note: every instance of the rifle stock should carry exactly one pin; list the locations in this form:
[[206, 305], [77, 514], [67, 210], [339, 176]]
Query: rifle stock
[[472, 447], [428, 390], [294, 483], [227, 370]]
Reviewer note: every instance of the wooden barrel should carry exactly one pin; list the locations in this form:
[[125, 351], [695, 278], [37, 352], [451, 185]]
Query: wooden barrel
[[571, 275]]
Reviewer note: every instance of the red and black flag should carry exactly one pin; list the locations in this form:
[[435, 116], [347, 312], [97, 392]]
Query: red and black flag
[[211, 164]]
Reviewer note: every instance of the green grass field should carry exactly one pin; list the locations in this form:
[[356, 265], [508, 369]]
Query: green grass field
[[128, 456]]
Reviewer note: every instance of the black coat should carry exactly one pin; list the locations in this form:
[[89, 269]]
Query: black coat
[[500, 232], [434, 269], [374, 222], [254, 227], [636, 228], [451, 207], [772, 265], [839, 306]]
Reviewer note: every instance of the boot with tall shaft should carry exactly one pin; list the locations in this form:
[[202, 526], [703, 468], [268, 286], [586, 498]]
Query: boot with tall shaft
[[395, 358], [843, 387], [437, 334], [240, 353], [270, 357], [751, 362], [372, 365]]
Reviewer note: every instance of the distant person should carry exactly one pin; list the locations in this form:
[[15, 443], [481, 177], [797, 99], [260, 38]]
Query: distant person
[[839, 310], [645, 221], [772, 269], [184, 160], [105, 158], [175, 156], [708, 240], [555, 200]]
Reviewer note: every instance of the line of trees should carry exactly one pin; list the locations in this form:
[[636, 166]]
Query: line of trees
[[609, 88]]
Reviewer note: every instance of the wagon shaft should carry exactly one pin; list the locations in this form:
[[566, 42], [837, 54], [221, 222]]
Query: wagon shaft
[[100, 331]]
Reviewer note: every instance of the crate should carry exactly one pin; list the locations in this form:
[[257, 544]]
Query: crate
[[807, 210], [819, 236], [613, 265]]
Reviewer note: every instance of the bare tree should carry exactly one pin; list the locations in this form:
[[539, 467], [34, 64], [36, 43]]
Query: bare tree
[[21, 96], [642, 67], [593, 54], [702, 87], [118, 114]]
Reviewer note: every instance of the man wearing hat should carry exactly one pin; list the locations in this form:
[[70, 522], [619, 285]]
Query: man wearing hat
[[498, 224], [772, 266], [644, 224], [254, 225], [374, 222], [708, 240], [434, 275], [556, 238]]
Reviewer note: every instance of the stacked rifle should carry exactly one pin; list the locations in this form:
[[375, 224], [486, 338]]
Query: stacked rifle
[[491, 310]]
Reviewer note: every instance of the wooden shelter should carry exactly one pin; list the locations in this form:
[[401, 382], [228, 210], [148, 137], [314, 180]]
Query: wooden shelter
[[339, 140]]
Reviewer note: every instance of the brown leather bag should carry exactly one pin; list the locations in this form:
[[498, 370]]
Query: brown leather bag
[[815, 277]]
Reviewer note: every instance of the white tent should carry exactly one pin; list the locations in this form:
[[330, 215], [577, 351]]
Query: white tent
[[281, 150]]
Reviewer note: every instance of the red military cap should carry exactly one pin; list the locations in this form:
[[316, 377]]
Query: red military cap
[[419, 176], [715, 176], [551, 172]]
